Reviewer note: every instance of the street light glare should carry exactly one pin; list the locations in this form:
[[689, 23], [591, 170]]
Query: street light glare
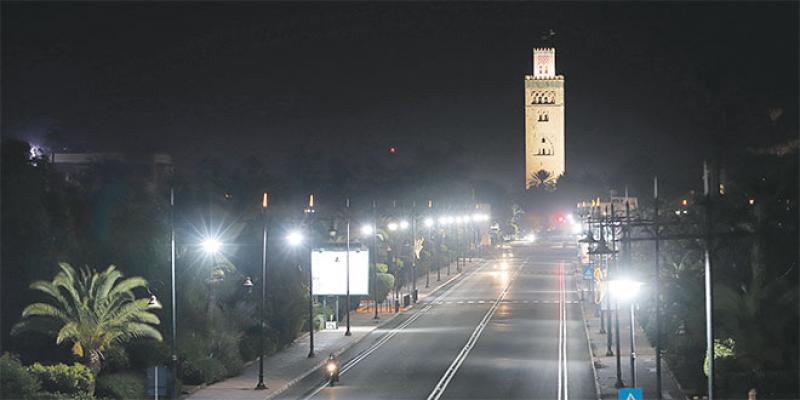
[[211, 245], [295, 238], [624, 289], [392, 226], [428, 222], [366, 230], [403, 224]]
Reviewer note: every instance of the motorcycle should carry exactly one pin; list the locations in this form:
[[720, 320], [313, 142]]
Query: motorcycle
[[332, 372]]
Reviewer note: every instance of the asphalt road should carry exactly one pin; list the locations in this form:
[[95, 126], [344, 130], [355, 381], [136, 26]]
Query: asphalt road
[[511, 329]]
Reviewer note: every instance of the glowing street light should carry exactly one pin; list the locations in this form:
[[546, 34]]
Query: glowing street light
[[626, 290], [428, 222], [366, 230], [404, 225], [294, 238], [392, 226], [211, 245]]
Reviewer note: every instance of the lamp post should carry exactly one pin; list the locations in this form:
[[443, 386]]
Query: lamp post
[[173, 344], [264, 206], [347, 264], [429, 225], [602, 250], [413, 252], [626, 290], [657, 289], [295, 239]]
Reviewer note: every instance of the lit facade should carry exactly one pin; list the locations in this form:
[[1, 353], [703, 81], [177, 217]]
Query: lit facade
[[544, 120]]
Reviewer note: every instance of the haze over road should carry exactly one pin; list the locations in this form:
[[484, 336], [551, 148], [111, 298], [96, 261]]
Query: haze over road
[[512, 328]]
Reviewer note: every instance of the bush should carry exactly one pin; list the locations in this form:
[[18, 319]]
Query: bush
[[190, 373], [15, 380], [71, 380], [62, 396], [213, 370], [224, 347], [144, 353], [124, 385], [115, 359]]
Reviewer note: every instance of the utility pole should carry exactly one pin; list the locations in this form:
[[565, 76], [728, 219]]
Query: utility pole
[[657, 233], [347, 265], [375, 254], [709, 284], [264, 205]]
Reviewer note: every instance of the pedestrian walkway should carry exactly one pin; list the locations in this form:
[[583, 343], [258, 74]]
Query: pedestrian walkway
[[292, 364], [606, 365]]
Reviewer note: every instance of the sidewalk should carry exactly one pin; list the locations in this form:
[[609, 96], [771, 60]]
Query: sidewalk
[[291, 364], [606, 366]]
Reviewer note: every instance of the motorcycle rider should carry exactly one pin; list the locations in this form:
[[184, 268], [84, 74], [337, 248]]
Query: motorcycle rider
[[332, 361]]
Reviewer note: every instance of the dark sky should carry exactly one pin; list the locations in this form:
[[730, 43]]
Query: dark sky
[[233, 79]]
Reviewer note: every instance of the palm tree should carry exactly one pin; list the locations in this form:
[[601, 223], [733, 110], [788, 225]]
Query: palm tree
[[543, 178], [92, 311]]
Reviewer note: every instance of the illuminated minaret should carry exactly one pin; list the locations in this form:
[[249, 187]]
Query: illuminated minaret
[[544, 119]]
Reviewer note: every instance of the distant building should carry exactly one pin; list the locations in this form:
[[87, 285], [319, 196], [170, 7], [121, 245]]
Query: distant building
[[544, 120], [76, 167]]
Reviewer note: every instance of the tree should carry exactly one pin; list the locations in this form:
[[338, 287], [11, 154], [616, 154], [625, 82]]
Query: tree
[[544, 179], [92, 311]]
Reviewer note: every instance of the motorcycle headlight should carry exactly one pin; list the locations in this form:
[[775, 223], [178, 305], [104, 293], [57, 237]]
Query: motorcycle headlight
[[331, 368]]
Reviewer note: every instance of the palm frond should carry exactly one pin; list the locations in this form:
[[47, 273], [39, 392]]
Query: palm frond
[[68, 331], [127, 285], [44, 310], [140, 330]]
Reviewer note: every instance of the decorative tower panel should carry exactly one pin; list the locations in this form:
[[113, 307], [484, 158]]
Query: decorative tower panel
[[544, 121]]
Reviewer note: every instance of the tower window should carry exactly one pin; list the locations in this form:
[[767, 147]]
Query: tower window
[[544, 141]]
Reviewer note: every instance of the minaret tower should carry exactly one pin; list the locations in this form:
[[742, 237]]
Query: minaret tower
[[544, 120]]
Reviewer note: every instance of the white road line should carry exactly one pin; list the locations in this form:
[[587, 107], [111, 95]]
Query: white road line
[[440, 387]]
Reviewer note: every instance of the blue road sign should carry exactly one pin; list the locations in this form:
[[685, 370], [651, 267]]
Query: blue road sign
[[630, 394], [588, 272]]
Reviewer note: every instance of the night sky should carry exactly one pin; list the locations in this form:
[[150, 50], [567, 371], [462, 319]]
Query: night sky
[[234, 79]]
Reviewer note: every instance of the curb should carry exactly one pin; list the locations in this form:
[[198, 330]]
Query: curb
[[598, 393], [317, 366], [597, 390]]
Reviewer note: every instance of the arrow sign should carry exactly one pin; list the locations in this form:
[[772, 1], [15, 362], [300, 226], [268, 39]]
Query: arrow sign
[[630, 394]]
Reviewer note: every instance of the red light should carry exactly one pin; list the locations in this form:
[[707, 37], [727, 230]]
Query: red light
[[560, 219], [392, 150]]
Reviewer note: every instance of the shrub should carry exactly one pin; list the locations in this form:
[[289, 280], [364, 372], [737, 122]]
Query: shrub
[[224, 346], [213, 370], [62, 396], [190, 373], [124, 385], [71, 380], [15, 380], [115, 359], [144, 353]]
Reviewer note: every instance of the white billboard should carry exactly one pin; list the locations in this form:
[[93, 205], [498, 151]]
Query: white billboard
[[329, 272]]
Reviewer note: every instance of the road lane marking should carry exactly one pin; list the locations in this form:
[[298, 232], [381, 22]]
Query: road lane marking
[[440, 387], [563, 364]]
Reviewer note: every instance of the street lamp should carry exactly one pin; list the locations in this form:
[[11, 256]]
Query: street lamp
[[367, 230], [211, 245], [264, 205], [392, 226], [404, 224], [295, 239], [626, 290]]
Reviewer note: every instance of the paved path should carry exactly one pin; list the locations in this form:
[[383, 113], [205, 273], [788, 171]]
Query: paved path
[[291, 364]]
